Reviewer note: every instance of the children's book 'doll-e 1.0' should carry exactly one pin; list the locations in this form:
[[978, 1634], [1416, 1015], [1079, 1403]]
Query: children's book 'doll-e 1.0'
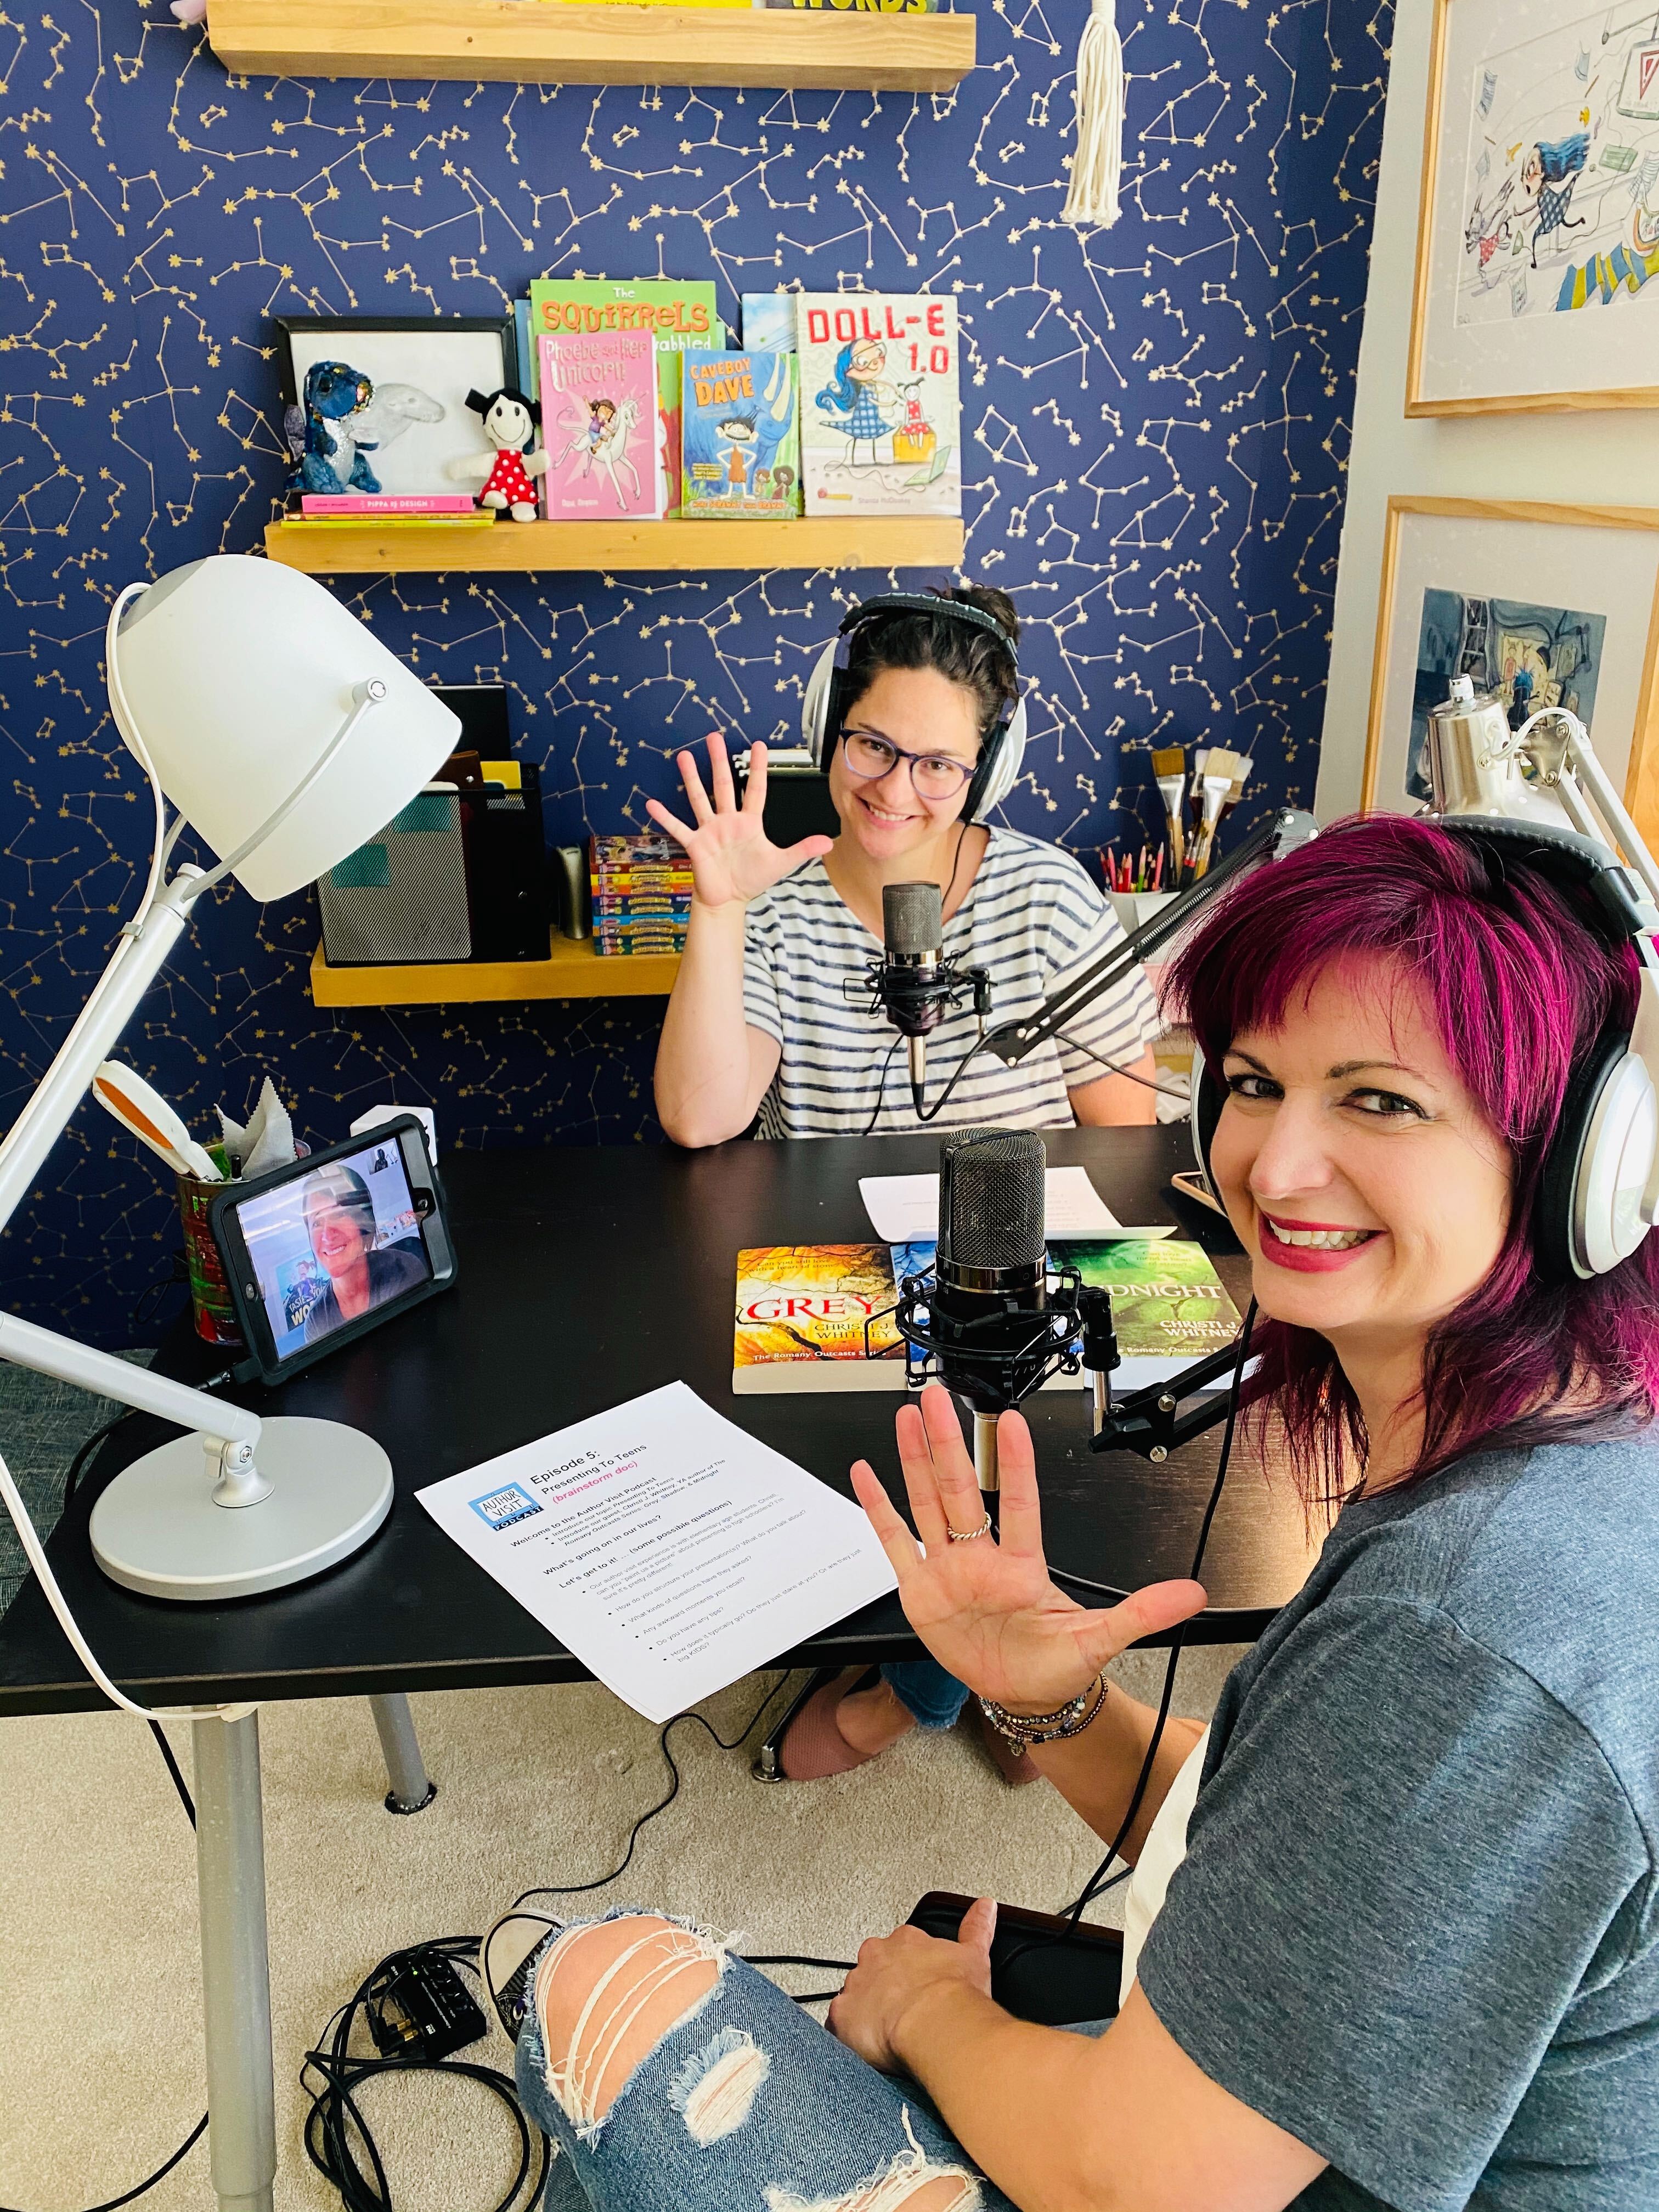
[[821, 1316], [599, 426], [742, 450], [678, 313], [880, 411]]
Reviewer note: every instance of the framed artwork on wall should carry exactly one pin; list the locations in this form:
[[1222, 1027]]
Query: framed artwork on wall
[[1540, 606], [384, 397], [1538, 236]]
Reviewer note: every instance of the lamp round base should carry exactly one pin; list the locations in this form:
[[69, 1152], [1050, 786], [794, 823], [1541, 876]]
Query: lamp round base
[[157, 1530]]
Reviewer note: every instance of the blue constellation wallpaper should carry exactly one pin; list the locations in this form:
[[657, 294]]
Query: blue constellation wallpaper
[[1155, 425]]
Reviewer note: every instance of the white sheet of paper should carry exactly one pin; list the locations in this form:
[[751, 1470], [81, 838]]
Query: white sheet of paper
[[904, 1209], [666, 1547]]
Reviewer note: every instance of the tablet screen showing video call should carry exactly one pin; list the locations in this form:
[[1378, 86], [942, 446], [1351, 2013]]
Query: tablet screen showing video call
[[333, 1244]]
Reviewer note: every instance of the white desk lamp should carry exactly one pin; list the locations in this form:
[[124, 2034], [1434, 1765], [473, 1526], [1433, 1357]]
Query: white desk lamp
[[286, 735]]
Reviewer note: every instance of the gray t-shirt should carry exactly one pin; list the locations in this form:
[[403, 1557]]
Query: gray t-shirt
[[1417, 1923]]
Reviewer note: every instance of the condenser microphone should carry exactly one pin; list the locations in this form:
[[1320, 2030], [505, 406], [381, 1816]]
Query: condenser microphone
[[913, 987], [989, 1310]]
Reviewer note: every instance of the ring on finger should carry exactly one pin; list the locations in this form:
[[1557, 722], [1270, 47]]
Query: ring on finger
[[969, 1535]]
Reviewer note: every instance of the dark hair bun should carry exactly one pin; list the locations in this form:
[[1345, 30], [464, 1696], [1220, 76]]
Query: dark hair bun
[[989, 601], [966, 653]]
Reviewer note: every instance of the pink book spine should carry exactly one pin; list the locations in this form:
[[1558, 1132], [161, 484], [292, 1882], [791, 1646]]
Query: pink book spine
[[599, 430], [437, 502]]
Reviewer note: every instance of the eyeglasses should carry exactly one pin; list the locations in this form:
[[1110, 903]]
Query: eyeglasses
[[932, 775]]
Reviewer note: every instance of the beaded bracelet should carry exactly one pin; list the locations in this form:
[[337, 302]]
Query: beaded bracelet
[[1068, 1720]]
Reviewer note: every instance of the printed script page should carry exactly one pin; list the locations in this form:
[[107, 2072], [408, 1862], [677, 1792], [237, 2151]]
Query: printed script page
[[664, 1547], [904, 1209]]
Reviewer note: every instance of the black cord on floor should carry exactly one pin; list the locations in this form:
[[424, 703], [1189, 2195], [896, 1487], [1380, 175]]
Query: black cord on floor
[[337, 2138], [114, 2203], [579, 1888]]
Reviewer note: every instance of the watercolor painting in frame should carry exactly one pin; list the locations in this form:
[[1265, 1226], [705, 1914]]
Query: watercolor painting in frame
[[1540, 606], [1537, 279]]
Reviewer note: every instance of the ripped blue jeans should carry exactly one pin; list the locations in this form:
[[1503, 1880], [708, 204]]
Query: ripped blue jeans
[[744, 2104]]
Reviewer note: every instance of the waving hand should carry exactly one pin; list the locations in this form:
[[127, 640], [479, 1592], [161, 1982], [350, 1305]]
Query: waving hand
[[731, 856], [987, 1608]]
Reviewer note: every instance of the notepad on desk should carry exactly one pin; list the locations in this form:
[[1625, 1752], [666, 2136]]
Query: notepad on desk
[[820, 1317]]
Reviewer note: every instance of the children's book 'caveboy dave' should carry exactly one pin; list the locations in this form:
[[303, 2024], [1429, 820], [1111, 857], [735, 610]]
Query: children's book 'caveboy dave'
[[599, 426], [742, 450], [880, 411], [678, 313]]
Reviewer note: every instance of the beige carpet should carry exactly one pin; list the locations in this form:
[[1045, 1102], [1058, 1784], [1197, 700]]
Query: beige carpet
[[100, 2037]]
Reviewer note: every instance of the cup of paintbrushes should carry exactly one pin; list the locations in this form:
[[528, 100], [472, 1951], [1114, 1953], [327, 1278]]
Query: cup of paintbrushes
[[1215, 781], [1170, 769]]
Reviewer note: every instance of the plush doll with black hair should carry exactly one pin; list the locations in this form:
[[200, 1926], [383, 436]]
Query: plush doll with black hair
[[509, 423]]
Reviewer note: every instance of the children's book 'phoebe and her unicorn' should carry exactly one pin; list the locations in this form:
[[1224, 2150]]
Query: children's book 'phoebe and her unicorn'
[[599, 425]]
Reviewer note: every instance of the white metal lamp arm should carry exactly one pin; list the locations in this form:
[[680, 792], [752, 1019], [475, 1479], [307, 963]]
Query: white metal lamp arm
[[229, 1434], [1579, 755]]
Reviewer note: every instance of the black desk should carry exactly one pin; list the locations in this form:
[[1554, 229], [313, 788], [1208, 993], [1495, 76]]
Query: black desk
[[586, 1277]]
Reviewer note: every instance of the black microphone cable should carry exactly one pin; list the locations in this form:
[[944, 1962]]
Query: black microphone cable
[[1107, 1067], [1098, 1883]]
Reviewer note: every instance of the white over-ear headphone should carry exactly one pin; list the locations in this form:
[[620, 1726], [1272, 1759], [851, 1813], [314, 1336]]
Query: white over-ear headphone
[[826, 701]]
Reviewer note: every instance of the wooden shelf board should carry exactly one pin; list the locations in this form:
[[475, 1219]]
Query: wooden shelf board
[[553, 42], [574, 971], [877, 541]]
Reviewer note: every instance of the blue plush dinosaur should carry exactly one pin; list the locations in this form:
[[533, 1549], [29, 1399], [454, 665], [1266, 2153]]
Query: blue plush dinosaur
[[332, 461]]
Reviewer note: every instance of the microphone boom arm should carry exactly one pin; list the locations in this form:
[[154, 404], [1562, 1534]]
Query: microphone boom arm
[[1015, 1041]]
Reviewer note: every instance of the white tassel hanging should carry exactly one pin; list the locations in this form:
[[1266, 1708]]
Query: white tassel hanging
[[1097, 151]]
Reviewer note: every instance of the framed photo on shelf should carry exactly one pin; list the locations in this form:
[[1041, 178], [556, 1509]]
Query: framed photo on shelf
[[1538, 236], [1539, 605], [416, 371]]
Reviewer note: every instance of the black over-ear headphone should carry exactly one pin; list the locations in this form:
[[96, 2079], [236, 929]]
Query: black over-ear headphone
[[830, 694], [1605, 1154]]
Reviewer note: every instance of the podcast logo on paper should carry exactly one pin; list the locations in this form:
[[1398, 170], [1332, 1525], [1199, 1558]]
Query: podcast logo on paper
[[504, 1506]]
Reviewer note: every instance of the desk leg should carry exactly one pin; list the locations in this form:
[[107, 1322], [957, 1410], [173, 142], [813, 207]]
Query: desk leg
[[230, 1875], [412, 1790]]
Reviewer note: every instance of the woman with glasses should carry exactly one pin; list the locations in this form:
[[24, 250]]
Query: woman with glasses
[[760, 1020]]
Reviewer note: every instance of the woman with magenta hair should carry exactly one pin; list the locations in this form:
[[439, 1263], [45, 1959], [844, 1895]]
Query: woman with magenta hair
[[1403, 1947]]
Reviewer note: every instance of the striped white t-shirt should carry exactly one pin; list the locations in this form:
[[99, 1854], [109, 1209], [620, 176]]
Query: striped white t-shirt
[[1031, 917]]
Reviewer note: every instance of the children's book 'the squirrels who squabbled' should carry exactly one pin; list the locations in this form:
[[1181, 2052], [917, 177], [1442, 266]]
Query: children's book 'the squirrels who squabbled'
[[880, 409]]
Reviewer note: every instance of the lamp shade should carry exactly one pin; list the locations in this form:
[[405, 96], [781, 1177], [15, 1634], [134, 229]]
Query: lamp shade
[[238, 675]]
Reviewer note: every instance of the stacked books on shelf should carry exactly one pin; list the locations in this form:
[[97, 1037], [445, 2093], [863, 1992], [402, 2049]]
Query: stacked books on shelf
[[641, 894], [409, 510]]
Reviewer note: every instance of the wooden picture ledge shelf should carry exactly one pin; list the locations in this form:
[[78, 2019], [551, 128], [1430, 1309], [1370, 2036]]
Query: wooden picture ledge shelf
[[553, 42], [876, 541], [575, 971]]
